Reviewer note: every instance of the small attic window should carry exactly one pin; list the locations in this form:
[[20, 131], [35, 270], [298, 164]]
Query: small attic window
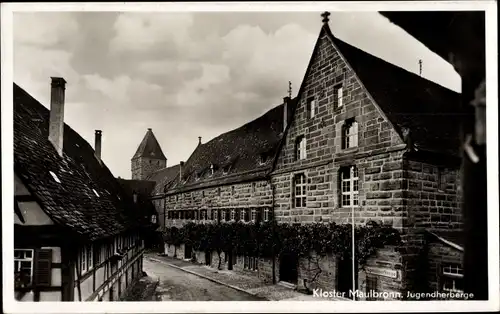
[[263, 158], [212, 169], [95, 192], [54, 176], [226, 169]]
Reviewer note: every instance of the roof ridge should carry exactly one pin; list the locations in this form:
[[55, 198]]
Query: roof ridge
[[247, 123], [413, 74]]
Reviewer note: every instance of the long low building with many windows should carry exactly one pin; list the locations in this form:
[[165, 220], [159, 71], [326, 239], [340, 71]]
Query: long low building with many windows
[[362, 141]]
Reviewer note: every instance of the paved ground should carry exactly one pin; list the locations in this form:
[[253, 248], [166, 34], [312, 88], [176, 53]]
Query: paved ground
[[235, 280], [175, 284]]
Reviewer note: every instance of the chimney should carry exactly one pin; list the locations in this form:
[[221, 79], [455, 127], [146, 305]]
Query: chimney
[[181, 165], [97, 144], [199, 140], [286, 109], [56, 124]]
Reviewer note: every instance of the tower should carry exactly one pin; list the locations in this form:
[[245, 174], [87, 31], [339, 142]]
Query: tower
[[148, 158]]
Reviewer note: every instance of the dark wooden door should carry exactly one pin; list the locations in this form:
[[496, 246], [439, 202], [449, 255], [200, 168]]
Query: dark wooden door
[[208, 258], [188, 250], [344, 276], [288, 267]]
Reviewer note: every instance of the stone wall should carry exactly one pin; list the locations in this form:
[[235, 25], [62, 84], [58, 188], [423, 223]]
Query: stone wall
[[385, 268], [381, 187], [438, 254], [433, 203], [318, 271], [142, 167]]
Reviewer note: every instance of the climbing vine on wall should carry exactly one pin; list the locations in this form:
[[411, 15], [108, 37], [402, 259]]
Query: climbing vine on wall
[[270, 238]]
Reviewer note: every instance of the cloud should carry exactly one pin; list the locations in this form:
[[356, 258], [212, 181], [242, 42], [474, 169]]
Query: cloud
[[141, 31], [44, 29]]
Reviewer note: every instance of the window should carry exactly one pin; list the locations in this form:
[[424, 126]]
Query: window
[[212, 169], [153, 219], [250, 263], [266, 214], [371, 286], [441, 179], [203, 215], [202, 193], [218, 191], [311, 107], [253, 188], [243, 215], [233, 215], [254, 215], [23, 267], [350, 134], [452, 278], [299, 184], [215, 215], [223, 215], [263, 158], [84, 258], [232, 190], [98, 257], [349, 186], [195, 212], [338, 96], [300, 148]]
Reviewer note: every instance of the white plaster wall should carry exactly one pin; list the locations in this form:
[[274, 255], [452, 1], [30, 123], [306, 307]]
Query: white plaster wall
[[99, 277], [50, 296]]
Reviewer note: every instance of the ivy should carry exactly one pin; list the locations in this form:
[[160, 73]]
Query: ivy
[[272, 239]]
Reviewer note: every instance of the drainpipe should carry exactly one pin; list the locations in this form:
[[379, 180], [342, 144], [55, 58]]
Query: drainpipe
[[273, 225]]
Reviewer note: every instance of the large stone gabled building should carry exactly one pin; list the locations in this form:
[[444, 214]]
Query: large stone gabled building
[[362, 137]]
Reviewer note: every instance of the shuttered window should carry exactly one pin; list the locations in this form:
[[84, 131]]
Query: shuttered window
[[42, 269]]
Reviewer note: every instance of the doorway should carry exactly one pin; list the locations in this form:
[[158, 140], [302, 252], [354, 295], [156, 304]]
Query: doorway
[[208, 258], [344, 276], [288, 267], [188, 250]]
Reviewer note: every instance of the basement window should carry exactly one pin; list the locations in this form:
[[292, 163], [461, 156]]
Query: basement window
[[452, 277], [54, 176], [266, 214]]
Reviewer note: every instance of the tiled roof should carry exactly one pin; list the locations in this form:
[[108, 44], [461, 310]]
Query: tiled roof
[[163, 177], [149, 147], [408, 100], [245, 153], [87, 199]]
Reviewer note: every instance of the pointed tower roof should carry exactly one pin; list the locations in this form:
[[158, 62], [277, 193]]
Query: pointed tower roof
[[149, 147]]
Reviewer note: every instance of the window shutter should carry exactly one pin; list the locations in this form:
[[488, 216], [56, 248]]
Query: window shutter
[[42, 271]]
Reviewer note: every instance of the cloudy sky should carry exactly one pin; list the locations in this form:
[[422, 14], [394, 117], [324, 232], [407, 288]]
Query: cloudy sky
[[187, 74]]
